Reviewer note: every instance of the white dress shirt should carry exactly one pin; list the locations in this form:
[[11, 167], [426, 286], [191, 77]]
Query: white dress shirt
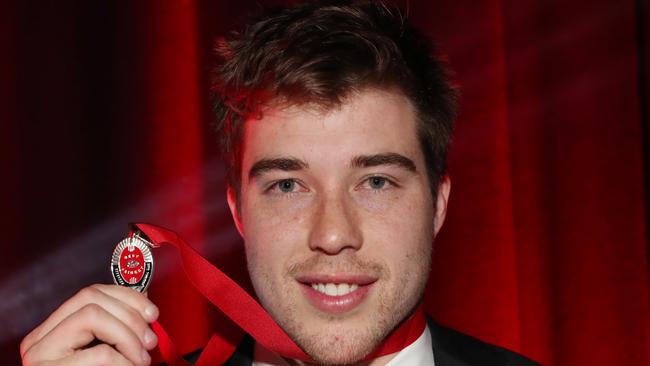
[[418, 353]]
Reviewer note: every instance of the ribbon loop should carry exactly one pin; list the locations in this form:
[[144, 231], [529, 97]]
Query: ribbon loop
[[243, 310]]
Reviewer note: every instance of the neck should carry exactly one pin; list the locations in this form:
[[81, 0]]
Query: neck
[[379, 361]]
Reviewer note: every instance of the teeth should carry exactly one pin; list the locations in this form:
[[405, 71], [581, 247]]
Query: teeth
[[332, 289]]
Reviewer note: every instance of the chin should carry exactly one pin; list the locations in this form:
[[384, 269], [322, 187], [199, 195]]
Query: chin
[[333, 340], [339, 344]]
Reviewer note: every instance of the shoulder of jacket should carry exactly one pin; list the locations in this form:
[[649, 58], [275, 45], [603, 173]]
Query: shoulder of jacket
[[453, 348]]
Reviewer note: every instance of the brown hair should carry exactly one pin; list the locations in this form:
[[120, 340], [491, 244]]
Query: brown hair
[[319, 53]]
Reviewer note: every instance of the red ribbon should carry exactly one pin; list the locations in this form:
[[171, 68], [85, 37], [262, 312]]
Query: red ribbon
[[248, 314]]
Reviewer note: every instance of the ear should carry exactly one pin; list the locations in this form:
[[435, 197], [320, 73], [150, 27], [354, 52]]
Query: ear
[[232, 204], [441, 203]]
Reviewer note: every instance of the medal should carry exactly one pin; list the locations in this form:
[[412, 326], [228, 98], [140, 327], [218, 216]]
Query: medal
[[132, 262]]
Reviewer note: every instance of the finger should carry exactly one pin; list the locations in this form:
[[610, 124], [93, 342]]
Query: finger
[[129, 316], [82, 327], [102, 354], [147, 309], [90, 295]]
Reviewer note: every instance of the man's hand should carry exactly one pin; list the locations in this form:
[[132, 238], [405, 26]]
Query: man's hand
[[100, 325]]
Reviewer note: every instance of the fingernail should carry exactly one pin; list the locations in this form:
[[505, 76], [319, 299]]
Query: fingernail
[[151, 312], [150, 338], [146, 359]]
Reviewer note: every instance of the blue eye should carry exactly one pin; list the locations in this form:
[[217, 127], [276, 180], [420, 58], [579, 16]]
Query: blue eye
[[286, 185], [377, 182]]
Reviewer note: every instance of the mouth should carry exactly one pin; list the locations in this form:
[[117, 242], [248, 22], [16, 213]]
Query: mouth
[[336, 294]]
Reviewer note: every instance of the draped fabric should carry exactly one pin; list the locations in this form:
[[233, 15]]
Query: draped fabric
[[105, 120]]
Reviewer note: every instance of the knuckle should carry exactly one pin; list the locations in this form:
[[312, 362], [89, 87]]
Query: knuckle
[[28, 344], [104, 354], [29, 358], [133, 319], [88, 294], [24, 344], [91, 311]]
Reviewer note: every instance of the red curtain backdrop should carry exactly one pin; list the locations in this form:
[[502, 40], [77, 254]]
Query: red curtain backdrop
[[105, 120]]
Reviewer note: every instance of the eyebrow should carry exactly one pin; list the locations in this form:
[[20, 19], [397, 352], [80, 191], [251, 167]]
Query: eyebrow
[[285, 164], [365, 161]]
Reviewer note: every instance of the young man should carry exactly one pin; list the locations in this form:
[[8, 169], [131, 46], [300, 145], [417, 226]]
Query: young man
[[335, 121]]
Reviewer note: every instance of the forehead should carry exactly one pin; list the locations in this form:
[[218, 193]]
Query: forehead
[[371, 121]]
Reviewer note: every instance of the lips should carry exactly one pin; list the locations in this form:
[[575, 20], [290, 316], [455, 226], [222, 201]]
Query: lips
[[336, 294]]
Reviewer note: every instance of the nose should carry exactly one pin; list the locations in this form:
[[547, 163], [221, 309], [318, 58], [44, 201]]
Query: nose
[[335, 227]]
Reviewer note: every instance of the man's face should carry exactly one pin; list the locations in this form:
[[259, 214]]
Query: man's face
[[338, 220]]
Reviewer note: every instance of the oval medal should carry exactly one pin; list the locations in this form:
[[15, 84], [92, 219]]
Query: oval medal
[[132, 263]]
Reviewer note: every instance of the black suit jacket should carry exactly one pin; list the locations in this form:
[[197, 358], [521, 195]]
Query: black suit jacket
[[450, 348]]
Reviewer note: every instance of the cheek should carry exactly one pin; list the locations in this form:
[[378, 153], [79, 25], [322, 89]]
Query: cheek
[[271, 231], [406, 239], [402, 230]]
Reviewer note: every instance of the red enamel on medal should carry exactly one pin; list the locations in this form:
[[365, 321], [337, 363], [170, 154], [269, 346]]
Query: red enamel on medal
[[132, 263]]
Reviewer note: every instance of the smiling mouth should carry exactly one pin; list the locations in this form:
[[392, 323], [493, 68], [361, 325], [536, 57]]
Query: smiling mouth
[[336, 294]]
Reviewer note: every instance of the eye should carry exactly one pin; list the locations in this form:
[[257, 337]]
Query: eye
[[377, 182], [286, 185]]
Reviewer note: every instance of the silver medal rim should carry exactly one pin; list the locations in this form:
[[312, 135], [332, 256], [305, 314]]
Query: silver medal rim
[[144, 247]]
